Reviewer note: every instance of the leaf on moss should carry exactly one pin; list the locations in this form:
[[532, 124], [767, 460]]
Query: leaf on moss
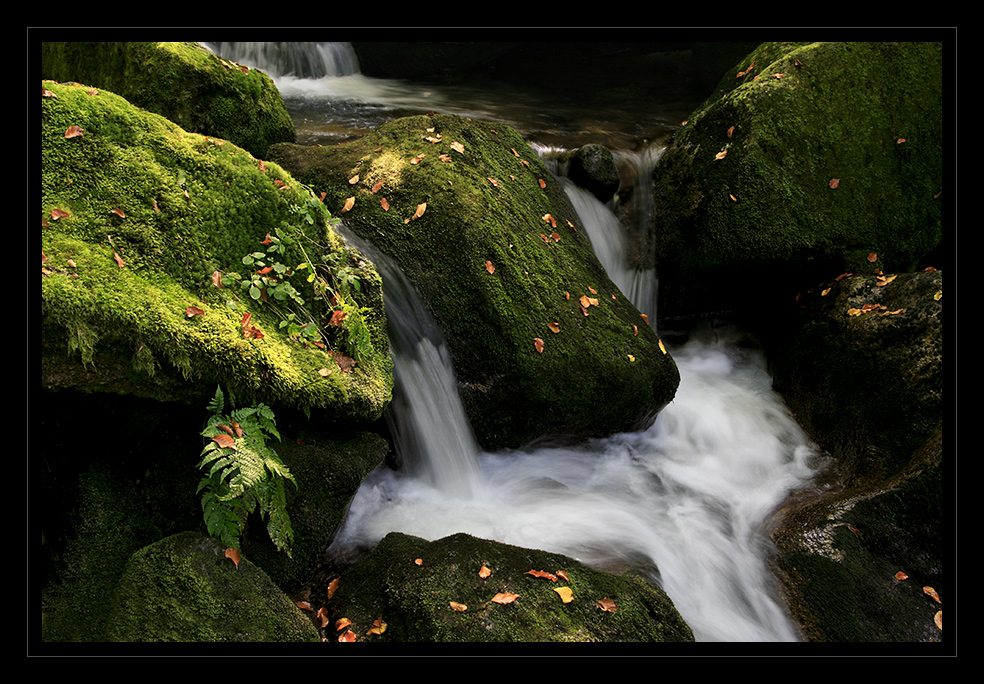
[[504, 597], [538, 344], [566, 594], [233, 555], [607, 605], [458, 607]]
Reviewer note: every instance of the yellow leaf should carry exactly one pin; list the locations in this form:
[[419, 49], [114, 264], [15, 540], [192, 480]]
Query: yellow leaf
[[421, 208], [661, 347], [631, 358], [566, 595]]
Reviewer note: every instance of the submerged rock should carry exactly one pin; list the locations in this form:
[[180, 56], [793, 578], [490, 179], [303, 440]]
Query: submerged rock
[[541, 340]]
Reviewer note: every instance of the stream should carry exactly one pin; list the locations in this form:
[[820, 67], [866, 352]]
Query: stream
[[686, 502]]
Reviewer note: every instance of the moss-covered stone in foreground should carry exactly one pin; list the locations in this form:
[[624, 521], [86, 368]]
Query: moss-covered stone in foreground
[[184, 589], [410, 584], [137, 216]]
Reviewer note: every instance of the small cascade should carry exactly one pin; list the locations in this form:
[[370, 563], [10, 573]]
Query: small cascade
[[431, 433], [298, 60]]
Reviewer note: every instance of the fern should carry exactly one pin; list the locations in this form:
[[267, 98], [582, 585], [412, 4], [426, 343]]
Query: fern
[[243, 473]]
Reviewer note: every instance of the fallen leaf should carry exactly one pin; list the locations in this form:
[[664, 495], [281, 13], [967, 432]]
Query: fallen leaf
[[421, 208], [504, 597], [661, 347], [635, 329], [348, 636], [930, 592], [484, 572], [489, 266], [418, 561], [58, 214], [193, 311], [834, 182], [216, 278], [384, 204], [344, 362], [378, 626], [349, 203], [337, 317], [550, 219], [538, 344], [543, 183], [332, 587], [901, 576], [645, 318], [607, 605], [631, 358], [563, 575], [225, 441], [118, 212], [342, 623], [354, 179], [721, 155], [458, 607], [458, 147], [938, 619], [325, 372], [554, 327], [322, 614], [543, 574], [233, 555], [119, 261], [566, 594], [74, 132], [377, 187], [872, 257], [304, 605], [587, 301]]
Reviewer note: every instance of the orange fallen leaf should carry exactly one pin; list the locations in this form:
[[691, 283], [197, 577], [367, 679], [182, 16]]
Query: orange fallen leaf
[[458, 607], [834, 182], [119, 261], [661, 347], [554, 327], [607, 605], [193, 311], [721, 155], [332, 587], [418, 561], [74, 132], [538, 344], [938, 619], [225, 441], [216, 278], [354, 179], [304, 605], [118, 212], [348, 636], [635, 329], [543, 183], [384, 204], [901, 576], [543, 574], [484, 572], [504, 597], [322, 615], [645, 318], [872, 257], [349, 203], [458, 147], [930, 592], [563, 575], [58, 214], [377, 187], [551, 220], [378, 626], [342, 623], [233, 555], [489, 266]]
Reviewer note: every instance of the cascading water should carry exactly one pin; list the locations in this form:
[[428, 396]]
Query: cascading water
[[685, 502], [295, 59]]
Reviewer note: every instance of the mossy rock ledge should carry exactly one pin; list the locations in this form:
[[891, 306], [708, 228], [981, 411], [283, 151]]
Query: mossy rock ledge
[[486, 233], [142, 220], [463, 589], [806, 159], [184, 82]]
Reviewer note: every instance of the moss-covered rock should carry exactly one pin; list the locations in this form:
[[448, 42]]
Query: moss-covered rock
[[863, 374], [184, 589], [488, 236], [183, 82], [434, 591], [815, 156], [139, 220]]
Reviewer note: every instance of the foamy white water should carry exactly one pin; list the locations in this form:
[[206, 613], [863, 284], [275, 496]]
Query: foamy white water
[[689, 498]]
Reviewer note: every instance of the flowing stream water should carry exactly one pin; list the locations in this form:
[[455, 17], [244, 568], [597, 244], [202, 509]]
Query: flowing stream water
[[686, 502]]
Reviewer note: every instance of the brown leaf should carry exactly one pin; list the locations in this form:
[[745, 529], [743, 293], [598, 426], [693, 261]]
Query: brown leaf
[[348, 636], [645, 318], [538, 344], [543, 574], [543, 183], [193, 311], [377, 187], [489, 266], [484, 572], [872, 257], [233, 555], [74, 132], [349, 203], [607, 605], [834, 182], [216, 278], [344, 362], [458, 607], [930, 592], [384, 204], [721, 155], [332, 587], [118, 212], [337, 317], [322, 615], [554, 327], [378, 626], [225, 441], [58, 214], [342, 623], [550, 219], [304, 605], [119, 261]]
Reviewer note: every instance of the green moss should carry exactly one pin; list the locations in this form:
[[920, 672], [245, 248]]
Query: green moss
[[866, 114], [486, 202], [183, 82], [175, 207]]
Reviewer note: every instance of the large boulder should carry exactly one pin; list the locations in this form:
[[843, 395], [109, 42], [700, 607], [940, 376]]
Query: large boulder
[[145, 228], [183, 82], [465, 589], [542, 342], [806, 159], [862, 372]]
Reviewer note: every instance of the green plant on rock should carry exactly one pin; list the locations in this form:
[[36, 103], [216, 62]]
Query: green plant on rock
[[242, 474]]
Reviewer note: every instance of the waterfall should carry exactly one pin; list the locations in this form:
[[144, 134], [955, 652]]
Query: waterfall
[[431, 433], [296, 59]]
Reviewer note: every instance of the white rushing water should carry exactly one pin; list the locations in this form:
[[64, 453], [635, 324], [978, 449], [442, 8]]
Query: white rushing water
[[686, 502]]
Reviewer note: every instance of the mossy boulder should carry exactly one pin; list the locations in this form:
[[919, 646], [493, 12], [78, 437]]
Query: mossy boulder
[[142, 220], [183, 82], [184, 589], [434, 591], [863, 373], [806, 159], [489, 237]]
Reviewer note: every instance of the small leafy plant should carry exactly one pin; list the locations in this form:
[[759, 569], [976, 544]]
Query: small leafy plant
[[242, 473]]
